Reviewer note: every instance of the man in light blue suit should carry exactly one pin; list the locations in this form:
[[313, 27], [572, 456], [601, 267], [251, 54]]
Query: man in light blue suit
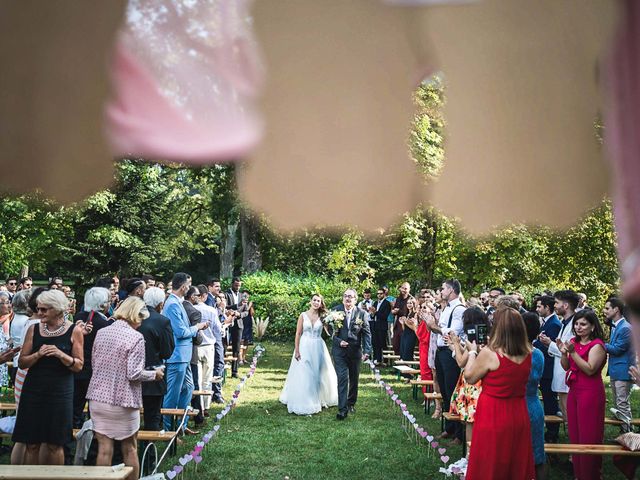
[[621, 357], [179, 377]]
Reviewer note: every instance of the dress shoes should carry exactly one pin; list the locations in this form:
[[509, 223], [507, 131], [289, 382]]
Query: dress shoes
[[352, 409], [341, 416], [188, 431], [206, 413], [218, 400]]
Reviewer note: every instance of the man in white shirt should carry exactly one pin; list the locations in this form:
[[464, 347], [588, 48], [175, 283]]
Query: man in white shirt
[[211, 357], [566, 302], [447, 369]]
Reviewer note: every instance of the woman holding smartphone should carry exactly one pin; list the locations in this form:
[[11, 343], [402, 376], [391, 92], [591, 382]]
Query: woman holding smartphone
[[501, 446]]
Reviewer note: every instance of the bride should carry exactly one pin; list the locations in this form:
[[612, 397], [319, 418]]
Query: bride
[[311, 382]]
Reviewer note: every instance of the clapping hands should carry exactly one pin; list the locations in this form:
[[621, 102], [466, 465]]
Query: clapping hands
[[566, 348]]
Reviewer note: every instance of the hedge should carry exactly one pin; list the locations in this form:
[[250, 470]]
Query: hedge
[[282, 297]]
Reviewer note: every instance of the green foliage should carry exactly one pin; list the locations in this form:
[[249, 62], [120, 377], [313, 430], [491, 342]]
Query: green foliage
[[427, 135], [282, 297]]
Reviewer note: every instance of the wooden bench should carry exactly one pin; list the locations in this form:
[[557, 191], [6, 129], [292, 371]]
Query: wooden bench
[[580, 449], [607, 420], [197, 393], [430, 397], [62, 472], [176, 412], [420, 383], [404, 370], [143, 435], [410, 363]]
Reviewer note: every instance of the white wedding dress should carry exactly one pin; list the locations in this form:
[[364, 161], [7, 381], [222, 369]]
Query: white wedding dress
[[311, 382]]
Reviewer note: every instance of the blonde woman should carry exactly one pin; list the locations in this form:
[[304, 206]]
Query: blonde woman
[[115, 390]]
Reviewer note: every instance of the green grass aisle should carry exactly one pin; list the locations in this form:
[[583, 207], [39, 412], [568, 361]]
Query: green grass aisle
[[260, 440]]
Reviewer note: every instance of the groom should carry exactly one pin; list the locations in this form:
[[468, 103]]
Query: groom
[[347, 351]]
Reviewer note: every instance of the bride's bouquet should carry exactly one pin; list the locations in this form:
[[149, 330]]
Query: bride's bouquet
[[334, 319]]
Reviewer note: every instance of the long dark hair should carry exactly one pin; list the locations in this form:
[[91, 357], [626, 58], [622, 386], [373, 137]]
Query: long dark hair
[[474, 316], [593, 319]]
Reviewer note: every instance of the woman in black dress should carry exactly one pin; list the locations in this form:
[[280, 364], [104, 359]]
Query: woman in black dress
[[52, 351]]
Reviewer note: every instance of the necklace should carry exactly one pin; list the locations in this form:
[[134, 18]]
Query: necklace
[[53, 333]]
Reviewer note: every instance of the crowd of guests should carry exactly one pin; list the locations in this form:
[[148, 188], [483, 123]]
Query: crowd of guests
[[491, 357], [134, 343]]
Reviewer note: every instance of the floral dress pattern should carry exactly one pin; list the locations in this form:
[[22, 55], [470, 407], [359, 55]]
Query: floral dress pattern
[[465, 399]]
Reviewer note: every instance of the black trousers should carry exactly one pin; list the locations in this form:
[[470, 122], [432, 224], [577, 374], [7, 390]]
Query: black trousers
[[80, 387], [218, 369], [448, 372], [407, 344], [236, 336], [379, 341], [348, 372], [551, 407], [195, 400], [152, 405]]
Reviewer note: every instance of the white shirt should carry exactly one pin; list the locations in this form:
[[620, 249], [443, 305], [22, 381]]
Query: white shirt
[[347, 318], [456, 321], [209, 314]]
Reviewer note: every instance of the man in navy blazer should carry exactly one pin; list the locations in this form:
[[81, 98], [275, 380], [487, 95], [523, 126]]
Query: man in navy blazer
[[621, 357], [379, 312], [551, 326], [179, 377]]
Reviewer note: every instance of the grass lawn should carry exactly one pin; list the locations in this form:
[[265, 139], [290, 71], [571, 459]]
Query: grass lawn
[[261, 440]]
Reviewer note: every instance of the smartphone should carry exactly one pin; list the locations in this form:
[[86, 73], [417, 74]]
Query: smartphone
[[481, 334], [471, 334]]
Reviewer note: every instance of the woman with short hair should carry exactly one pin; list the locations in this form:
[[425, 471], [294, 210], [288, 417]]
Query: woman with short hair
[[97, 301], [115, 389], [52, 351], [501, 446]]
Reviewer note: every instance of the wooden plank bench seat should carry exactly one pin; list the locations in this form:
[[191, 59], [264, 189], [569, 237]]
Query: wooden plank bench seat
[[405, 370], [607, 420], [197, 393], [416, 384], [580, 449], [176, 412], [143, 435], [62, 472], [410, 363]]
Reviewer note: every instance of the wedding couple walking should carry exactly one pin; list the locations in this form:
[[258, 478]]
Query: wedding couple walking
[[312, 382]]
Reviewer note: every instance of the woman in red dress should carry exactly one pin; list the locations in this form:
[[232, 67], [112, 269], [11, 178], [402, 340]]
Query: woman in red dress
[[419, 326], [583, 357], [501, 446]]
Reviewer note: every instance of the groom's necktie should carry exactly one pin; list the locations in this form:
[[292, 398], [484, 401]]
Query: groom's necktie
[[347, 318]]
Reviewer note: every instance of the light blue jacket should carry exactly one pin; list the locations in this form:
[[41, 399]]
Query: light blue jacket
[[183, 333], [620, 350]]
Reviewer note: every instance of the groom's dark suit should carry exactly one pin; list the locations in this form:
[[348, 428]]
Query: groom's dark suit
[[347, 359]]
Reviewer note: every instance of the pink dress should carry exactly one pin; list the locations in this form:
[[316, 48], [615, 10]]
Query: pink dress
[[585, 411], [115, 390]]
